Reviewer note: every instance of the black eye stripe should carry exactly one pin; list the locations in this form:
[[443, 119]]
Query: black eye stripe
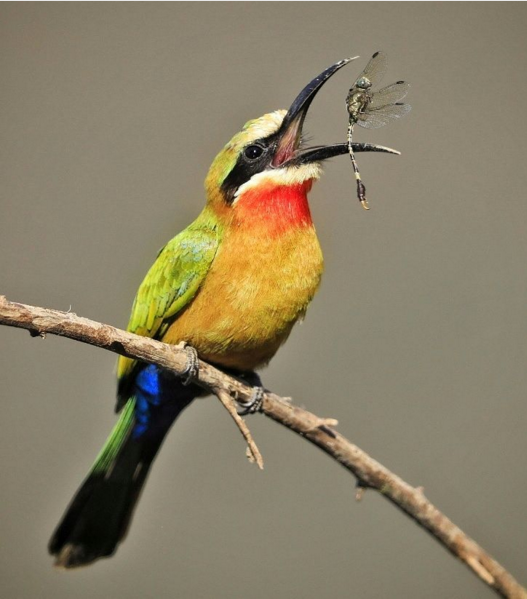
[[246, 166]]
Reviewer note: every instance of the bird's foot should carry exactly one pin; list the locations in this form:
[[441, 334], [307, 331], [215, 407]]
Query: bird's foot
[[192, 368], [254, 404]]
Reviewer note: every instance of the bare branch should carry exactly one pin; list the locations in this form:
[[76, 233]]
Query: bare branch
[[319, 431], [253, 453]]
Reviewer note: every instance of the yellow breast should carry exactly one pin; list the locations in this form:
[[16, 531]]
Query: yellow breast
[[258, 286]]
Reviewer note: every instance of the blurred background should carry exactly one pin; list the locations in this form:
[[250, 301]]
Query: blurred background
[[111, 114]]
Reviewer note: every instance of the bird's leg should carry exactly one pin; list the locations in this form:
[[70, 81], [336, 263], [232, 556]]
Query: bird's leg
[[192, 368], [256, 400]]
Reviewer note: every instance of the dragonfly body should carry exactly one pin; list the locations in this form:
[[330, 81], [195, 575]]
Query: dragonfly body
[[358, 98], [372, 109]]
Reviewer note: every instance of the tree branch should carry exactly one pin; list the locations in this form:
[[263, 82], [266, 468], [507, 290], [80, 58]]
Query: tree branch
[[318, 431]]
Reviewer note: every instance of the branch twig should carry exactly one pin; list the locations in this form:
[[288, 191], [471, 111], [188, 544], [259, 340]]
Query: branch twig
[[318, 431], [253, 453]]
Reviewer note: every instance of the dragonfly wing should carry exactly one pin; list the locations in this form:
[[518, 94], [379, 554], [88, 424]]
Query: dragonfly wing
[[375, 69], [373, 119], [394, 111], [389, 95]]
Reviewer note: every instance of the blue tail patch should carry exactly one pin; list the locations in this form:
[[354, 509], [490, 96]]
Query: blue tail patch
[[148, 394]]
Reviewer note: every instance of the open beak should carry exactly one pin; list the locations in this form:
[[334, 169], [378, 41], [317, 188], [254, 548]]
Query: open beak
[[290, 133]]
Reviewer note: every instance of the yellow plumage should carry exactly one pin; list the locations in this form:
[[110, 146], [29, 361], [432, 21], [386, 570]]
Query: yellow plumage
[[257, 287]]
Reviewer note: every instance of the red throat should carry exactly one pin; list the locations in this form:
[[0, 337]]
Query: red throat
[[276, 208]]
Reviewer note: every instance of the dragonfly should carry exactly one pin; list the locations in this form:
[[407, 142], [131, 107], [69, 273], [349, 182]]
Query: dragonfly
[[373, 109]]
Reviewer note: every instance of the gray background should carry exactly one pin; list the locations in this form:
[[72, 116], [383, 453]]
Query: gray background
[[111, 115]]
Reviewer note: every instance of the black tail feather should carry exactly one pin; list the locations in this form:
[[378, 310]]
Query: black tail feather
[[100, 513], [98, 518]]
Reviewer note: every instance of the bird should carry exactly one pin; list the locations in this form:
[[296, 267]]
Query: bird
[[230, 286]]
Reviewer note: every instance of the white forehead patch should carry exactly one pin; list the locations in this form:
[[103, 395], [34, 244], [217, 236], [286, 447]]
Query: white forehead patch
[[265, 125], [291, 175]]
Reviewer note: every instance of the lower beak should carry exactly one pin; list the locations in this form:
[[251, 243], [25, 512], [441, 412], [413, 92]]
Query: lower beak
[[319, 153], [290, 132]]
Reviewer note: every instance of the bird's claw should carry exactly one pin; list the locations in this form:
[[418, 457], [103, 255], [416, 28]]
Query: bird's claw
[[192, 368], [255, 402]]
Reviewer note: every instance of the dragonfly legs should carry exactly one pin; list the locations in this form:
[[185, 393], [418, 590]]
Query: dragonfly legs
[[361, 189]]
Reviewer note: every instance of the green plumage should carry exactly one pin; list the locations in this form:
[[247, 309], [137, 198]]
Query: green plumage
[[115, 441], [172, 282]]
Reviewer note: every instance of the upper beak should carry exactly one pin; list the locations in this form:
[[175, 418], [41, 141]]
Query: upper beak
[[290, 132]]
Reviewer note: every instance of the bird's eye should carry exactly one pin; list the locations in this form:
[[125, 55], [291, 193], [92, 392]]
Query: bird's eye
[[253, 152]]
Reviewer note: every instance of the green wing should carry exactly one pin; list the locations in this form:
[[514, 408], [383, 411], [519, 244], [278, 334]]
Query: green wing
[[170, 285]]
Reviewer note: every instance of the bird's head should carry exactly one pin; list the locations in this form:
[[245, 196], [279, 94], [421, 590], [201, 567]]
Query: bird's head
[[265, 165]]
